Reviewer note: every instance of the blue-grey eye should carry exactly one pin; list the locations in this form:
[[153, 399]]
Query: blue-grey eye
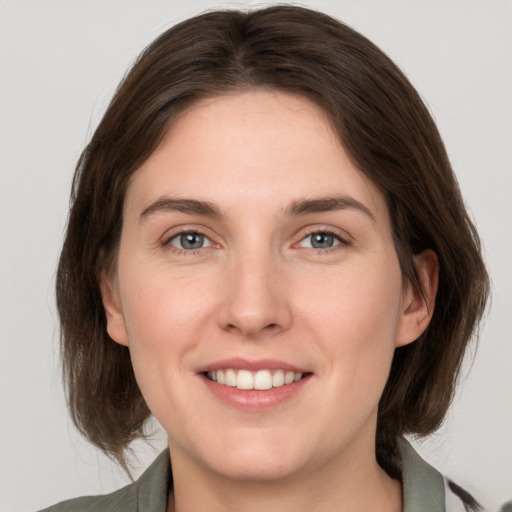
[[190, 241], [320, 240]]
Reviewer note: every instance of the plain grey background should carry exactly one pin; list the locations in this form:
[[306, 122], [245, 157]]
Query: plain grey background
[[59, 65]]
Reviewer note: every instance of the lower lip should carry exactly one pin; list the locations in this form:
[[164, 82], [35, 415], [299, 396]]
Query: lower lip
[[255, 399]]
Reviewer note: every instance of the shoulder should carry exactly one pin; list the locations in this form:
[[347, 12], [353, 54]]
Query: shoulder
[[124, 499], [147, 494]]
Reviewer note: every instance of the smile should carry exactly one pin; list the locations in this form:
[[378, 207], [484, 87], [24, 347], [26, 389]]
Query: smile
[[259, 380]]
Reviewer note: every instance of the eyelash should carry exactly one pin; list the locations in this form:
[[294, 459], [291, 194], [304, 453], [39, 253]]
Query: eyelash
[[343, 242], [185, 252]]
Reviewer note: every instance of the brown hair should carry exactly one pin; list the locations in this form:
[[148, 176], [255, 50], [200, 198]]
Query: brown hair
[[383, 125]]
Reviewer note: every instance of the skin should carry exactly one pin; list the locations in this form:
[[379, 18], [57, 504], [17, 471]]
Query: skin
[[258, 289]]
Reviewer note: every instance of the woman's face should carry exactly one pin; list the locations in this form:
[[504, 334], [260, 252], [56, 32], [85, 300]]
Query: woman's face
[[254, 253]]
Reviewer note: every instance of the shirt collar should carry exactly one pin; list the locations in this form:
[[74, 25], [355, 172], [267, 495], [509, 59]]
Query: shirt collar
[[153, 485], [423, 486]]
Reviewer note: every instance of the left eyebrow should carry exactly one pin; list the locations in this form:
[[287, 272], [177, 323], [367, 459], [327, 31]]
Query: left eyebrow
[[326, 204], [190, 206]]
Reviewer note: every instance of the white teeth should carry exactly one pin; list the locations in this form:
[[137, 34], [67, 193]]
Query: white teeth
[[263, 380], [245, 380], [278, 378], [288, 378], [230, 378], [260, 380]]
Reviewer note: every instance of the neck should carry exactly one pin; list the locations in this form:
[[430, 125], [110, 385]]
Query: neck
[[353, 484]]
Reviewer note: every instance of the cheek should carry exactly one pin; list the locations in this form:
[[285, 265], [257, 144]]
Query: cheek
[[162, 306], [355, 315], [164, 316]]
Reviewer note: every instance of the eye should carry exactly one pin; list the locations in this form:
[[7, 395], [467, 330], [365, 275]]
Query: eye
[[189, 241], [321, 240]]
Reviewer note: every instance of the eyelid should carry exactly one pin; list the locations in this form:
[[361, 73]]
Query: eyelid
[[342, 236], [186, 232], [177, 231]]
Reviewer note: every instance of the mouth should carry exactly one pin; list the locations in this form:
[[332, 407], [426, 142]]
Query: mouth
[[255, 385], [254, 380]]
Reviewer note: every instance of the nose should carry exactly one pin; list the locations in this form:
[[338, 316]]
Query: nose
[[255, 300]]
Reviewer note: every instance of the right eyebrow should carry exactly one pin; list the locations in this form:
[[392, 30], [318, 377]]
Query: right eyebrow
[[190, 206]]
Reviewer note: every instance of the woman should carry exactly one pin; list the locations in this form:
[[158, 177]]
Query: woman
[[268, 251]]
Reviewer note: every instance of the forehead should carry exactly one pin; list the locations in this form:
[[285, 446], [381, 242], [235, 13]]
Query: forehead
[[262, 149]]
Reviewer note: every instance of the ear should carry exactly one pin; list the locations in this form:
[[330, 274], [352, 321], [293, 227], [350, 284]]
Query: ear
[[116, 326], [417, 307]]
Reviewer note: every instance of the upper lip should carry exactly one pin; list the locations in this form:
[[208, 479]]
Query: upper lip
[[254, 365]]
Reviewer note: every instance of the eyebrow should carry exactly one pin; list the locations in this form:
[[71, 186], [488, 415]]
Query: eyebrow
[[296, 208], [190, 206], [326, 204]]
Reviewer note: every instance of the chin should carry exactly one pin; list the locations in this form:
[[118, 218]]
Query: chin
[[257, 458], [258, 469]]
